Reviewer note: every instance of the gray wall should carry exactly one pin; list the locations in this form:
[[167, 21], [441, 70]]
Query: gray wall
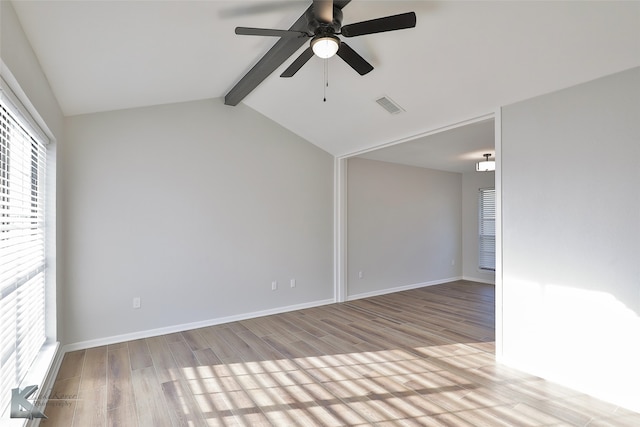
[[194, 207], [472, 182], [571, 237], [404, 227]]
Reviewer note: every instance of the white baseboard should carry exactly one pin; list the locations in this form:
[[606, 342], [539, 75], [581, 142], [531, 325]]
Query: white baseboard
[[479, 280], [187, 326], [401, 288]]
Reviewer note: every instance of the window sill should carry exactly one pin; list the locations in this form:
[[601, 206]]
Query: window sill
[[37, 375]]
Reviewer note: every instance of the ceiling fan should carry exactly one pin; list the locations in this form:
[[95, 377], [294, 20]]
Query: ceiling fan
[[322, 23]]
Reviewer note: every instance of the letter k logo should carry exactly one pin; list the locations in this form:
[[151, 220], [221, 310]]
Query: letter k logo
[[19, 400]]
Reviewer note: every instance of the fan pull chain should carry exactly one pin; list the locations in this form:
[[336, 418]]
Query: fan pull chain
[[326, 78]]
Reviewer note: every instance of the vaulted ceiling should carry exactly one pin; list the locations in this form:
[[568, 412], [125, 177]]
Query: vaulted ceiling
[[463, 60]]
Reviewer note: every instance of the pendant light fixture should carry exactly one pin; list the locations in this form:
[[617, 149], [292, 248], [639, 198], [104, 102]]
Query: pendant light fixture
[[486, 165]]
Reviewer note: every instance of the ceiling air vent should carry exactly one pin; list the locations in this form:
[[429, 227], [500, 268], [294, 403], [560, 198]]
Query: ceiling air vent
[[389, 105]]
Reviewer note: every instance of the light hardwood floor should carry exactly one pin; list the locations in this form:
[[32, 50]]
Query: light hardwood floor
[[422, 357]]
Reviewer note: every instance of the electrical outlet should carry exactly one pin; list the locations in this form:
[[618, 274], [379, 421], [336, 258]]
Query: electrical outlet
[[360, 275], [274, 285], [136, 302], [293, 283]]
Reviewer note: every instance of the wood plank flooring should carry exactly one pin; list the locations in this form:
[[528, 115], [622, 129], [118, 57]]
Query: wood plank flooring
[[423, 357]]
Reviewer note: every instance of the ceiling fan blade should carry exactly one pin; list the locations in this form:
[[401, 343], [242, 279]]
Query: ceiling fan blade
[[298, 63], [323, 10], [248, 31], [352, 58], [380, 25]]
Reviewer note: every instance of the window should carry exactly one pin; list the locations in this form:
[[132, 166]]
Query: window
[[22, 248], [487, 229]]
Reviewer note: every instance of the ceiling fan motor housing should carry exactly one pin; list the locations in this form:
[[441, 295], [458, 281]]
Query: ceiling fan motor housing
[[318, 27]]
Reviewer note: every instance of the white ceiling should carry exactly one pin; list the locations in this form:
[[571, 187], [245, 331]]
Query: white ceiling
[[453, 150], [463, 60]]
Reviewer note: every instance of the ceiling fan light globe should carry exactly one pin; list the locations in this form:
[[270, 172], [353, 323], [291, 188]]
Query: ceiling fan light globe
[[325, 47]]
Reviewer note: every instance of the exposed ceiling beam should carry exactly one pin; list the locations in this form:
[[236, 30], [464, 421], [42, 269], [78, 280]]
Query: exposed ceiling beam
[[280, 52]]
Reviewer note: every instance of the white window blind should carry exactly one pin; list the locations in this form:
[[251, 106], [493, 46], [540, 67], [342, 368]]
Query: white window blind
[[487, 229], [22, 249]]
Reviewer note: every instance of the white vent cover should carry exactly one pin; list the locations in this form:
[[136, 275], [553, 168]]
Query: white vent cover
[[390, 105]]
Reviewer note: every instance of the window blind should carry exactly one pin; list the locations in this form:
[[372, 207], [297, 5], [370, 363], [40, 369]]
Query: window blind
[[487, 229], [22, 248]]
